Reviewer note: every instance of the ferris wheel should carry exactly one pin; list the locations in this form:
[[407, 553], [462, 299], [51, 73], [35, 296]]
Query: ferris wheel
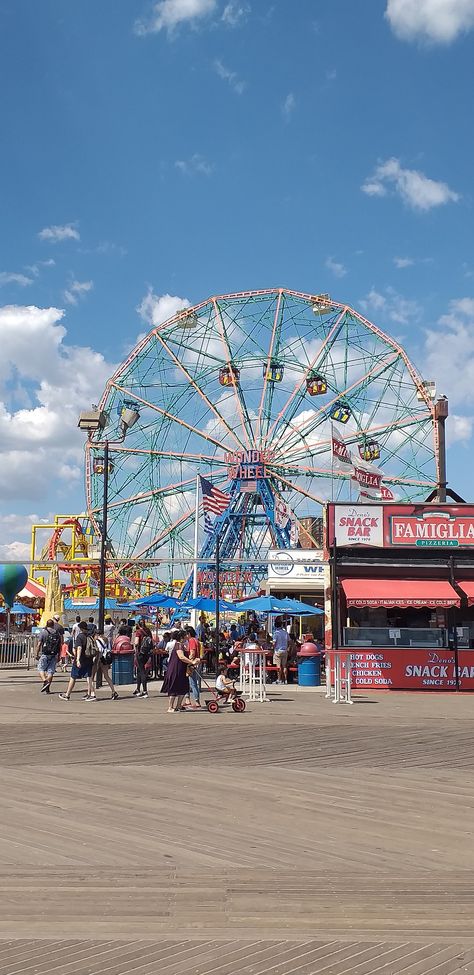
[[251, 391]]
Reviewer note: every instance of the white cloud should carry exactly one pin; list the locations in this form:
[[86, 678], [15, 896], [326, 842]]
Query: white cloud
[[288, 106], [449, 358], [403, 262], [335, 267], [459, 429], [40, 446], [156, 309], [34, 269], [235, 13], [196, 164], [436, 21], [231, 77], [415, 189], [15, 535], [56, 234], [392, 305], [10, 277], [77, 290], [170, 14], [15, 551]]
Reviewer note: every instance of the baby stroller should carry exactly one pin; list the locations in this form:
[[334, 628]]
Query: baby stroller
[[219, 700]]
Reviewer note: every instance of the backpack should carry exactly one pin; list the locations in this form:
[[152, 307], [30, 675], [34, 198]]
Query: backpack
[[106, 654], [146, 648], [90, 648], [52, 643]]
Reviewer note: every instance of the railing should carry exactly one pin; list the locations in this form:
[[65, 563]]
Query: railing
[[17, 651]]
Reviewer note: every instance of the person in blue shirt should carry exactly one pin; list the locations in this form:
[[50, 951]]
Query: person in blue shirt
[[280, 651]]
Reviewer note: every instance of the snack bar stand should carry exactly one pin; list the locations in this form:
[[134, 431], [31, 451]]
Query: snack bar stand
[[400, 594]]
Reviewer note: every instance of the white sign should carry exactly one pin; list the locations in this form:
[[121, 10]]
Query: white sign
[[298, 564], [358, 524]]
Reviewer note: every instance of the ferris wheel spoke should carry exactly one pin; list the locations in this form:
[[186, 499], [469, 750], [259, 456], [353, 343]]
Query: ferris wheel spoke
[[326, 445], [198, 390], [314, 364], [159, 540], [166, 454], [163, 492], [308, 426], [316, 472], [268, 387], [170, 416], [295, 487], [237, 389]]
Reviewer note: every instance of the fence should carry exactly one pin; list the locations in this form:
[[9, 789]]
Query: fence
[[17, 651]]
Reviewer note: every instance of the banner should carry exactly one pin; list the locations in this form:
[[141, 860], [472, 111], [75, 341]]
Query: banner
[[282, 513], [340, 451], [416, 669], [358, 524], [367, 479], [385, 494], [401, 525]]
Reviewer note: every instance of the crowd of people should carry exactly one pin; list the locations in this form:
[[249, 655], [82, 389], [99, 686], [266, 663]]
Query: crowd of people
[[180, 656]]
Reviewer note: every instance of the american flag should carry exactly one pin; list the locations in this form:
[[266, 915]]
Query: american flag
[[214, 502]]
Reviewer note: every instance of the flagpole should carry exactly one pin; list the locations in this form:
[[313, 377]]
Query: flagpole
[[194, 612], [332, 462], [217, 600]]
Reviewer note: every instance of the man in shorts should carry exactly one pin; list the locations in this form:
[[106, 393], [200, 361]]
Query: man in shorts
[[280, 651], [48, 649], [82, 665]]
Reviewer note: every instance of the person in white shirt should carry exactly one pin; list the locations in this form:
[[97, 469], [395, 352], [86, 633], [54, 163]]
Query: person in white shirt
[[76, 629], [225, 685], [109, 631]]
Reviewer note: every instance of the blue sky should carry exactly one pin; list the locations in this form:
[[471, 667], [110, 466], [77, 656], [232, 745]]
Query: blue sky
[[193, 147]]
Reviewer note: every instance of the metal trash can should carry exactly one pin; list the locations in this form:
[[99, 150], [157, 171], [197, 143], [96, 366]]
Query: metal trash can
[[309, 665], [122, 668]]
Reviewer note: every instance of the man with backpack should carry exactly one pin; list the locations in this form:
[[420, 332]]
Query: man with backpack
[[48, 649], [85, 651]]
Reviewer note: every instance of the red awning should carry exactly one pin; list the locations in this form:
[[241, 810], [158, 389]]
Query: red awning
[[33, 590], [400, 592], [467, 586]]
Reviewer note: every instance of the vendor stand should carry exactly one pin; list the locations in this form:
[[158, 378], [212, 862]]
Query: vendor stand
[[401, 594]]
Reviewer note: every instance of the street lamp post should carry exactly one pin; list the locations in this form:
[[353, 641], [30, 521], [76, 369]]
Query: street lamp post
[[441, 415], [91, 422]]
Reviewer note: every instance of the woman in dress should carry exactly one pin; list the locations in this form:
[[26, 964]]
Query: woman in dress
[[176, 683]]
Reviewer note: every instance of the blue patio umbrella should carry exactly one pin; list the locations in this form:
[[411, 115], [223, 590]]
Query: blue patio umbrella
[[158, 601], [262, 604], [296, 608], [19, 610], [208, 605]]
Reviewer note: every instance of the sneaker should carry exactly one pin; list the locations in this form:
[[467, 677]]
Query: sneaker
[[48, 689], [137, 693], [115, 696], [91, 697], [64, 697], [143, 694], [45, 686]]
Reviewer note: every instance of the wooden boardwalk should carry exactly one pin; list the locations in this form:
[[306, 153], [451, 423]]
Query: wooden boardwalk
[[299, 837]]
